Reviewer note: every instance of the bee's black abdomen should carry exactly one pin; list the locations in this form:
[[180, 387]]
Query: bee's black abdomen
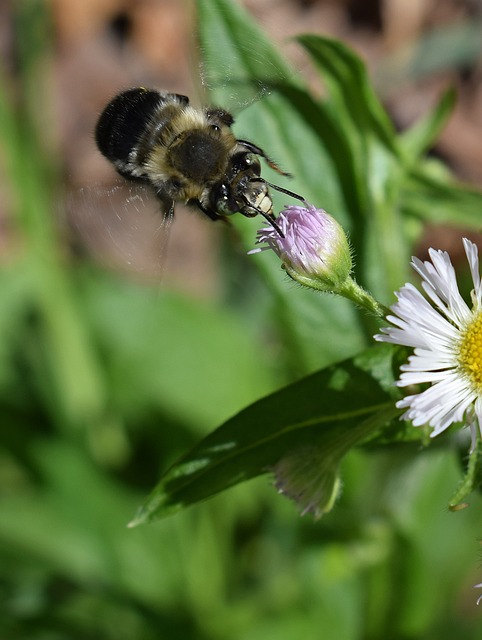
[[123, 122]]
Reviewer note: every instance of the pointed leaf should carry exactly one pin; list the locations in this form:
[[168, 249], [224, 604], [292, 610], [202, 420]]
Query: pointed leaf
[[350, 87], [425, 132], [336, 407], [439, 199]]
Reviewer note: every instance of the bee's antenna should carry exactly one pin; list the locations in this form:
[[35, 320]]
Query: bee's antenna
[[280, 189]]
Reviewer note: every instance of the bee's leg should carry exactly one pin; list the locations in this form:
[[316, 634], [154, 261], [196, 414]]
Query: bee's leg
[[253, 148], [210, 213], [167, 208]]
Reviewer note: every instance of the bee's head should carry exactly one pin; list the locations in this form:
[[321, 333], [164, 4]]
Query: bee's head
[[242, 193], [243, 190]]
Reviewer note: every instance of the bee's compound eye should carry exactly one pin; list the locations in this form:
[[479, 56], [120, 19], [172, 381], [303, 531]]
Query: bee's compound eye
[[222, 200], [251, 162]]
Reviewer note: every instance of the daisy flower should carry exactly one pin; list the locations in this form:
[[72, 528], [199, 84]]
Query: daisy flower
[[446, 335]]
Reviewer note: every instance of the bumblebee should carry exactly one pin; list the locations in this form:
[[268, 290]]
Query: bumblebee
[[186, 154]]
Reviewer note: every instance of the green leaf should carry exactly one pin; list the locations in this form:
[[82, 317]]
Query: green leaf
[[375, 160], [424, 133], [333, 409], [434, 196], [350, 88], [330, 130]]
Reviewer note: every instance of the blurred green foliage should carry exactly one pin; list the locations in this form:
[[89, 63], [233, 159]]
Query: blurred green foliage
[[104, 383]]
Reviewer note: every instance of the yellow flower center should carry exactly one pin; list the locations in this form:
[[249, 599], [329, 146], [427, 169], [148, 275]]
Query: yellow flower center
[[470, 352]]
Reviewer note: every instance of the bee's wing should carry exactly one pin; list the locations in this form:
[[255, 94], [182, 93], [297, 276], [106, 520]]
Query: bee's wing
[[123, 226], [236, 76], [229, 89]]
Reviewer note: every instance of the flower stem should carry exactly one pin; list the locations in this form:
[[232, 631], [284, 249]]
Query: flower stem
[[471, 479], [351, 289]]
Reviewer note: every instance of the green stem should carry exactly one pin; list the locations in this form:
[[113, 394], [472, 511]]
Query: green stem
[[471, 479], [351, 289]]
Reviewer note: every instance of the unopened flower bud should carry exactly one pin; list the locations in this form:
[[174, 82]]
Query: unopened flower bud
[[310, 477], [313, 248]]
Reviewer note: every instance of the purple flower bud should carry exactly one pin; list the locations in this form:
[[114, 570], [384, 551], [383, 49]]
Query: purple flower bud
[[313, 248]]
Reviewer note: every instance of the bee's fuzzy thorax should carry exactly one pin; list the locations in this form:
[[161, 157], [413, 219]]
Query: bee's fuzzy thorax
[[191, 153]]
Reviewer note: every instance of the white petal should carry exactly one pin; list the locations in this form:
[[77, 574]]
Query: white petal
[[440, 405], [418, 377], [440, 284], [418, 323], [472, 253]]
